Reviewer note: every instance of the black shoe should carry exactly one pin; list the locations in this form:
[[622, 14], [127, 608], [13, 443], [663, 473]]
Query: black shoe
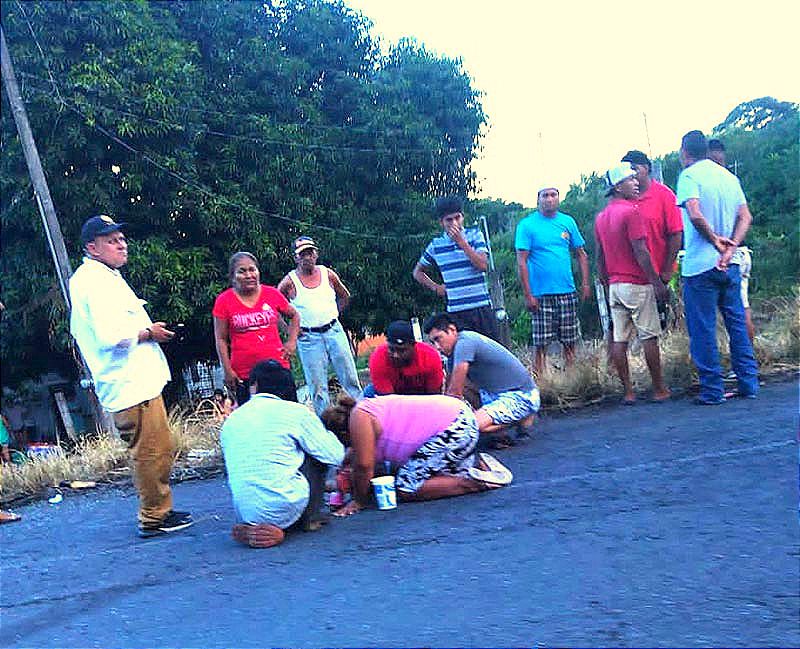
[[173, 522]]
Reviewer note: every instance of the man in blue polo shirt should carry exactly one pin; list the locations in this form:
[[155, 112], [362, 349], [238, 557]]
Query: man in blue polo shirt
[[544, 240], [462, 258]]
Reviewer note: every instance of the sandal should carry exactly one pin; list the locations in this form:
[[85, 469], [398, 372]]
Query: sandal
[[496, 473]]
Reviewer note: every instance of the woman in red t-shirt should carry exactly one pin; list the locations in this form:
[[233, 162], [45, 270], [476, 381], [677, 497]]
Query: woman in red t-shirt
[[246, 324]]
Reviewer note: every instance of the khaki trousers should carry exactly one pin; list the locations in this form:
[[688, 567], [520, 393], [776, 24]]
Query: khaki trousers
[[145, 429]]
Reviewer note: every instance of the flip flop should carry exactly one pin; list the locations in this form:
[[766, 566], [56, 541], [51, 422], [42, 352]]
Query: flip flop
[[496, 473]]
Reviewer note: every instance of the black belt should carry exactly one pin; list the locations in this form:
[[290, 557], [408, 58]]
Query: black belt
[[318, 330]]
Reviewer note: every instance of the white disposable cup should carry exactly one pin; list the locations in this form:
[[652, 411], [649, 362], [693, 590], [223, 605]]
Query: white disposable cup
[[385, 495]]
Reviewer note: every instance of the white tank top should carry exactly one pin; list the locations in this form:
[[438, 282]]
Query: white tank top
[[316, 306]]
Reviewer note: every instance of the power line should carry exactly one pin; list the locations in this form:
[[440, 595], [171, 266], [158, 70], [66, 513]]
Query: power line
[[202, 127], [211, 194], [190, 183], [237, 116]]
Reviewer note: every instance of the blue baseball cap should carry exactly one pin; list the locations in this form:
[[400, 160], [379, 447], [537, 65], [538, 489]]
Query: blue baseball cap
[[97, 226]]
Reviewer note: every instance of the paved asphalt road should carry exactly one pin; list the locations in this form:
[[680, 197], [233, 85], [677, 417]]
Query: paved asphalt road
[[657, 525]]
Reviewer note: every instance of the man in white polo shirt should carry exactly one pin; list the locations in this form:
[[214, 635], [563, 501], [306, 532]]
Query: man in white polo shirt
[[121, 346]]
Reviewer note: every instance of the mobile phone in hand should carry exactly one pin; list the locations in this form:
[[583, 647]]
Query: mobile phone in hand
[[180, 331]]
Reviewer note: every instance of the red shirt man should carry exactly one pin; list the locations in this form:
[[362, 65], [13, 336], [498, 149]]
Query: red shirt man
[[403, 366], [661, 214], [624, 263]]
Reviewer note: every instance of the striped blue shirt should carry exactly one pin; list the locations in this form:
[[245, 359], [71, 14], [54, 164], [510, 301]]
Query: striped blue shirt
[[465, 284], [264, 442]]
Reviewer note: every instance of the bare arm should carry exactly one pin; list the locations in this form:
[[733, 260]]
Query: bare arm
[[342, 293], [222, 341], [362, 437], [479, 260], [744, 220], [704, 227], [531, 303], [583, 263], [286, 286], [290, 345], [458, 377], [674, 241], [421, 275], [645, 262]]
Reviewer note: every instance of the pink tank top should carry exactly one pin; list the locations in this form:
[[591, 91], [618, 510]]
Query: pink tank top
[[408, 421]]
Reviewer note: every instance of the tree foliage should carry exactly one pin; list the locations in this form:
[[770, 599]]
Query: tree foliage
[[217, 126]]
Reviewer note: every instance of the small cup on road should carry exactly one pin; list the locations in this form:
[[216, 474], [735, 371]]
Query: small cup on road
[[385, 494]]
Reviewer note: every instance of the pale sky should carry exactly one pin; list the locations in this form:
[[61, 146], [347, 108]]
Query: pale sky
[[566, 82]]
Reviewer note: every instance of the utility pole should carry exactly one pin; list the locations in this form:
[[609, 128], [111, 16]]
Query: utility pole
[[496, 292], [44, 201]]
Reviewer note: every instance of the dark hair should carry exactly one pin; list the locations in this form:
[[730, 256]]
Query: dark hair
[[439, 321], [636, 157], [270, 376], [716, 145], [448, 205], [235, 257], [337, 417], [694, 143]]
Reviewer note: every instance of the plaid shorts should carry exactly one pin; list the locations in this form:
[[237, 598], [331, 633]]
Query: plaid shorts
[[511, 406], [556, 320], [452, 452]]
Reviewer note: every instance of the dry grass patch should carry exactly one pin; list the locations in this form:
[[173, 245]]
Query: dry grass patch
[[100, 458], [592, 378], [92, 459]]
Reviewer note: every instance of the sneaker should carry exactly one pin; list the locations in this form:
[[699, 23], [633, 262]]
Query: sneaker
[[704, 402], [730, 376], [173, 522]]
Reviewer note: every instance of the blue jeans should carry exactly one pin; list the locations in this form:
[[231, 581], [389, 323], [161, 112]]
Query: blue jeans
[[703, 294], [317, 351]]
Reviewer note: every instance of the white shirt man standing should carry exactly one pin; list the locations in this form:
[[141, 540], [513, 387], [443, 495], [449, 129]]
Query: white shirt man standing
[[121, 346]]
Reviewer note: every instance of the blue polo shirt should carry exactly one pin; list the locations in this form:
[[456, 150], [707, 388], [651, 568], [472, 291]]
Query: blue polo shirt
[[549, 241], [465, 284]]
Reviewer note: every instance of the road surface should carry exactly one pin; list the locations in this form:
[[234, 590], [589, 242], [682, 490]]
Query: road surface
[[657, 525]]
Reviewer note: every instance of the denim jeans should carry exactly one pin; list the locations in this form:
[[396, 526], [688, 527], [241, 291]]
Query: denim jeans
[[317, 351], [703, 294]]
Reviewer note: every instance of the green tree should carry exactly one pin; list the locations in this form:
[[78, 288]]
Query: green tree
[[217, 126]]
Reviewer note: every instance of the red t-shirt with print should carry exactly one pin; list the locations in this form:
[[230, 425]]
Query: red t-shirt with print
[[663, 218], [423, 376], [614, 229], [253, 330]]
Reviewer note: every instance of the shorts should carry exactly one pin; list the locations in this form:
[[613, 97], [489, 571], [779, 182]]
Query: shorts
[[745, 266], [556, 319], [633, 307], [451, 452], [481, 319], [509, 407]]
